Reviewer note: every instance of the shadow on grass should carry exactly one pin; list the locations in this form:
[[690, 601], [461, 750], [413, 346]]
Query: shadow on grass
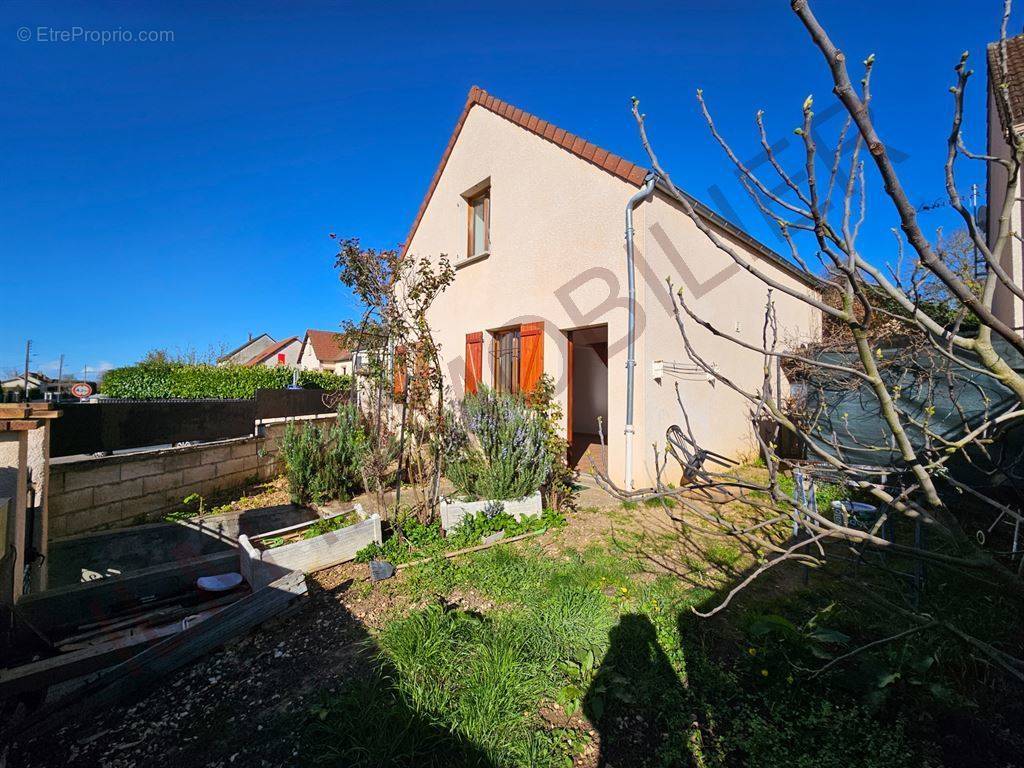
[[636, 698], [748, 681], [372, 723], [472, 679]]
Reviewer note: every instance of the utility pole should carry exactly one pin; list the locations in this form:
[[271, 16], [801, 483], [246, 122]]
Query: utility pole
[[60, 374], [28, 351]]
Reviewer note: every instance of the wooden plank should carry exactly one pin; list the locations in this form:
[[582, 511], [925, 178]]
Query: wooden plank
[[97, 656], [327, 550], [19, 425], [169, 626], [148, 618], [298, 526], [467, 550], [44, 409], [67, 608], [249, 564], [142, 671]]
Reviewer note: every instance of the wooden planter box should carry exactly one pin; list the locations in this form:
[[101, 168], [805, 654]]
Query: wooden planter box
[[453, 510], [261, 566]]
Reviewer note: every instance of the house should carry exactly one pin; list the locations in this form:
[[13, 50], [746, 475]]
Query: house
[[1007, 306], [280, 353], [244, 353], [322, 351], [13, 388], [532, 218]]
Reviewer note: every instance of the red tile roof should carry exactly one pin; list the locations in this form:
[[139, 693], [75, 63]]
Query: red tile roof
[[1014, 79], [615, 165], [624, 169], [327, 346], [271, 350]]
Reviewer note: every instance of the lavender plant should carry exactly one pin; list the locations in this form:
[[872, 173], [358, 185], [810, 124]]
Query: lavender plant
[[323, 463], [505, 455]]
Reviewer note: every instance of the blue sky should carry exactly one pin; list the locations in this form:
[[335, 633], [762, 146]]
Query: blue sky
[[180, 194]]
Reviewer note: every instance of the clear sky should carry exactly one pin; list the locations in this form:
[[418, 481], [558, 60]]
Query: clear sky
[[179, 194]]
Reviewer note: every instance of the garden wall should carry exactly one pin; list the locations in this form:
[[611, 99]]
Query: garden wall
[[114, 491]]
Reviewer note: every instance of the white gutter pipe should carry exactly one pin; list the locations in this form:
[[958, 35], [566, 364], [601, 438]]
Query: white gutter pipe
[[645, 192]]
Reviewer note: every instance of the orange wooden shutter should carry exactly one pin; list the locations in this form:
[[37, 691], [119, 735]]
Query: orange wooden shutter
[[474, 361], [531, 355], [399, 372]]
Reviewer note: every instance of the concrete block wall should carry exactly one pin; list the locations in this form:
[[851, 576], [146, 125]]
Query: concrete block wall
[[103, 492]]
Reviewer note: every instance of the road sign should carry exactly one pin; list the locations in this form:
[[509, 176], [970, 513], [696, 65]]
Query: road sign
[[81, 390]]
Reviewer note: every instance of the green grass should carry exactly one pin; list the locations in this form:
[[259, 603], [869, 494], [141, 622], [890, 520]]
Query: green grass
[[659, 501], [586, 632], [481, 679], [412, 540], [722, 555]]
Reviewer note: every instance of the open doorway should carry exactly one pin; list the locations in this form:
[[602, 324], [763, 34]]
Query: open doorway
[[587, 396]]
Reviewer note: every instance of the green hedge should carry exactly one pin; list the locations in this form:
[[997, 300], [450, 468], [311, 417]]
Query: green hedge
[[154, 382]]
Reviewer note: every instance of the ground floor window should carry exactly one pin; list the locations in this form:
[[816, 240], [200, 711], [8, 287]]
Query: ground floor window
[[505, 359]]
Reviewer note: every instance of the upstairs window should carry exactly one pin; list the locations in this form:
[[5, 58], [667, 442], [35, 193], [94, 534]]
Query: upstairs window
[[479, 223]]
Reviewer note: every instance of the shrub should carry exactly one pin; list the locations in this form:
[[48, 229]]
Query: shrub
[[300, 449], [506, 457], [560, 487], [324, 463], [175, 380]]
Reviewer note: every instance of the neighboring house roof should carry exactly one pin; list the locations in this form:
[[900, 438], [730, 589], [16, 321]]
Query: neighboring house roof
[[624, 169], [326, 346], [272, 350], [238, 349], [34, 377], [1014, 79]]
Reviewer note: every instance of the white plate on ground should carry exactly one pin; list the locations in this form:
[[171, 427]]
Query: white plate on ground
[[222, 582]]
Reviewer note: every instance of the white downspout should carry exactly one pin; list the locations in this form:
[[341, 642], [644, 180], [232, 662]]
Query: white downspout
[[643, 194]]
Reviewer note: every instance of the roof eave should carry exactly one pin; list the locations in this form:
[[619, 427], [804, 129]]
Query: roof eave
[[747, 239]]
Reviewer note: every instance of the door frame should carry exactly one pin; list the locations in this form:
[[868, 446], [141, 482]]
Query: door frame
[[570, 354]]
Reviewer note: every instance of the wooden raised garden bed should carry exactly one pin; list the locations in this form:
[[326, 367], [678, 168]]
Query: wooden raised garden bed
[[101, 627], [453, 510], [307, 547]]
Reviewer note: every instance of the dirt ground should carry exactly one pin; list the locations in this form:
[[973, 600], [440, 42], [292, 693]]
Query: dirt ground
[[244, 704]]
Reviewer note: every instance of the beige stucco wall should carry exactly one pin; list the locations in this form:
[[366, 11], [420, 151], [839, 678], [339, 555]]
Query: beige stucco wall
[[13, 485], [728, 297], [24, 465], [308, 360], [1005, 305], [558, 255], [556, 250]]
